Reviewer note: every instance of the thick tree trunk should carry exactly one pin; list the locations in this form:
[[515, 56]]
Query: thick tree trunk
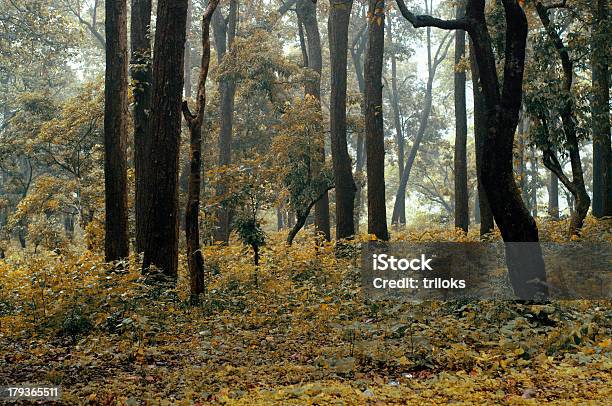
[[141, 85], [525, 263], [480, 133], [338, 25], [568, 118], [375, 142], [195, 260], [225, 33], [600, 108], [462, 211], [307, 11], [117, 245], [161, 182], [553, 196]]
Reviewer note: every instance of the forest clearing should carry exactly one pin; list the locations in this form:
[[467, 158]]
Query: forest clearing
[[305, 202]]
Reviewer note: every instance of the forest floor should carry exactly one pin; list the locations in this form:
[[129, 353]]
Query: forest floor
[[296, 331]]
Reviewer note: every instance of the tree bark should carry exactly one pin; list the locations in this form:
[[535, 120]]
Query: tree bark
[[117, 245], [462, 211], [600, 108], [480, 134], [161, 181], [224, 31], [338, 25], [195, 260], [141, 85], [375, 137], [307, 11], [568, 118]]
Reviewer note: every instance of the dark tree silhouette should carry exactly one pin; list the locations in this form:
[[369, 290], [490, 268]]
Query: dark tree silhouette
[[161, 180], [117, 243]]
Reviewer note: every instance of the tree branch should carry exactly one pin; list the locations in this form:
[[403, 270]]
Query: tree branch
[[419, 21]]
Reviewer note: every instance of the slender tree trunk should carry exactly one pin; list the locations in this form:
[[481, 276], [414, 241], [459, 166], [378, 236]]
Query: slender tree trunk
[[357, 50], [338, 26], [225, 32], [399, 136], [462, 210], [568, 118], [187, 83], [433, 64], [600, 108], [195, 260], [117, 245], [141, 85], [161, 183], [553, 196], [375, 137], [307, 11], [534, 183], [480, 135]]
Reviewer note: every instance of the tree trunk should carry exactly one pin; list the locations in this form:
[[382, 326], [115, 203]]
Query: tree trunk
[[224, 31], [338, 25], [195, 260], [534, 183], [141, 85], [116, 245], [568, 118], [375, 138], [307, 11], [399, 136], [187, 83], [433, 64], [600, 108], [357, 49], [161, 182], [462, 211], [525, 263], [480, 134], [553, 196]]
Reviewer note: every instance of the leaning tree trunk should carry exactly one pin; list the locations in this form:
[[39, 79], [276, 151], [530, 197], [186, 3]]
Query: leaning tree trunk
[[116, 245], [141, 89], [161, 181], [399, 136], [375, 141], [462, 210], [440, 55], [338, 26], [307, 12], [568, 118], [195, 260], [600, 108], [525, 263], [480, 134]]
